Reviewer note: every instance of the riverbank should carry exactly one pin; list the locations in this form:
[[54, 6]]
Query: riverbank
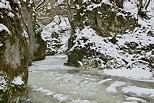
[[52, 82]]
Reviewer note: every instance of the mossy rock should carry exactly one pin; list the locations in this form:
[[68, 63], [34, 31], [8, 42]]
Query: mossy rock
[[14, 54]]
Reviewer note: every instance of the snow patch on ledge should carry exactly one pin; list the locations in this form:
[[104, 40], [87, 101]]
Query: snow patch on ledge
[[3, 27], [139, 91], [136, 99], [134, 73], [18, 81], [5, 4]]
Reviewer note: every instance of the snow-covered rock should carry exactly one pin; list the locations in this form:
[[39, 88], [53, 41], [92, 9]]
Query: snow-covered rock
[[139, 91], [127, 52], [56, 35]]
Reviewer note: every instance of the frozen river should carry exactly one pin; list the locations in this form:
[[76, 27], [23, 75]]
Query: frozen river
[[52, 82]]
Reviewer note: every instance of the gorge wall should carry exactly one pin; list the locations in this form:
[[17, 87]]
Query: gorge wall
[[20, 44], [14, 54]]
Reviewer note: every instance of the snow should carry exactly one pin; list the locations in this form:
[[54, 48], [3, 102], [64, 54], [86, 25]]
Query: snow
[[60, 25], [60, 1], [18, 81], [4, 4], [93, 5], [10, 14], [136, 99], [101, 44], [141, 37], [139, 91], [136, 70], [134, 73], [1, 44], [114, 85], [104, 81], [3, 27], [131, 7]]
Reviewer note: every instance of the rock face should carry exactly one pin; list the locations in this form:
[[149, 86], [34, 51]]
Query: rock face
[[103, 16], [14, 54], [109, 35], [37, 44], [49, 9]]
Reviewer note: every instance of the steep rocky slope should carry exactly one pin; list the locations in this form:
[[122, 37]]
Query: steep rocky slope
[[20, 43], [109, 35]]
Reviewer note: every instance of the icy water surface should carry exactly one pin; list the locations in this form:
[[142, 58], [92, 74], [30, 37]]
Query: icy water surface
[[52, 82]]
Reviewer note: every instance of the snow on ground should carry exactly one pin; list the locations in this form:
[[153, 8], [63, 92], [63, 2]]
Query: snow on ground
[[18, 81], [124, 64], [113, 87], [4, 4], [136, 99], [139, 91], [143, 39], [101, 44], [131, 7], [134, 73]]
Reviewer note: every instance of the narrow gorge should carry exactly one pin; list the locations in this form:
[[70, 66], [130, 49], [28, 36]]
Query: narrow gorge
[[76, 51]]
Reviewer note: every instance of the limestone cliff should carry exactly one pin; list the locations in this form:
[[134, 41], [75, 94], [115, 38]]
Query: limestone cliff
[[14, 53], [37, 44]]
